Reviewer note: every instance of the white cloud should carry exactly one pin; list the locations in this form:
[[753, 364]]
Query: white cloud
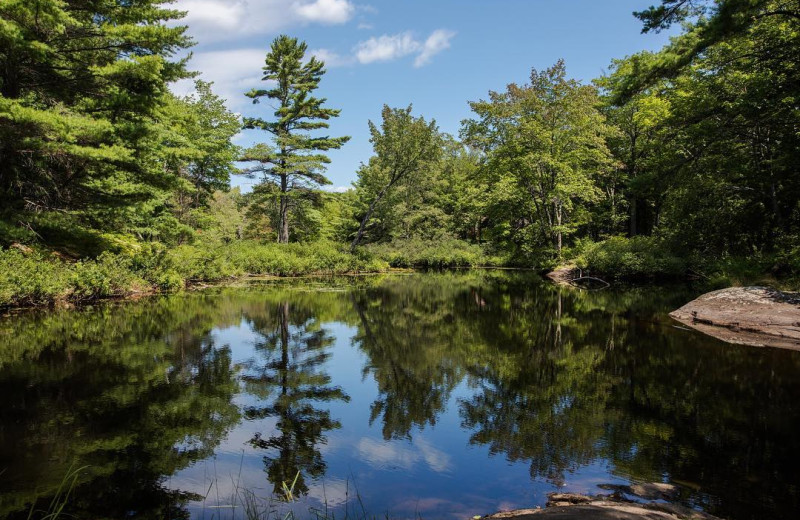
[[391, 47], [220, 13], [363, 26], [325, 11], [337, 189], [331, 492], [233, 72], [237, 71], [386, 48], [216, 20], [438, 41], [331, 58]]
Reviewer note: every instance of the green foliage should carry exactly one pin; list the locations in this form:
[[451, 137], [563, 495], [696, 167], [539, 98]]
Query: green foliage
[[199, 152], [406, 148], [545, 156], [709, 156], [109, 275], [299, 259], [439, 253], [694, 146], [637, 257], [81, 90], [31, 279]]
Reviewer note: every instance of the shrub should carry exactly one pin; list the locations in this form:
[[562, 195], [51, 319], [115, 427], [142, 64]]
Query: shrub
[[35, 279], [637, 257], [300, 258], [446, 252], [195, 263], [31, 279], [109, 275]]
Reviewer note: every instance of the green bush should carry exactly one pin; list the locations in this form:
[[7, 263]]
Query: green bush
[[219, 262], [194, 263], [300, 258], [31, 279], [446, 252], [637, 257], [109, 275]]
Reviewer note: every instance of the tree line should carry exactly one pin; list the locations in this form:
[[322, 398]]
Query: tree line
[[669, 160]]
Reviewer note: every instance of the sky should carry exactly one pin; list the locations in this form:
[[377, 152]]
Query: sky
[[434, 54]]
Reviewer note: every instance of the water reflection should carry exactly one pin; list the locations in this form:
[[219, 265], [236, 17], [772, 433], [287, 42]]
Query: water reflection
[[288, 381], [434, 394], [133, 396]]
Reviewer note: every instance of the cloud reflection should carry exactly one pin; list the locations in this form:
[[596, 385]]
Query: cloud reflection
[[394, 455]]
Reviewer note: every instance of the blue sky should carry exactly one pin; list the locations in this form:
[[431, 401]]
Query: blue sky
[[434, 54]]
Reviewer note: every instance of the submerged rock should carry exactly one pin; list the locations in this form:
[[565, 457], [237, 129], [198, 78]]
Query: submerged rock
[[756, 316]]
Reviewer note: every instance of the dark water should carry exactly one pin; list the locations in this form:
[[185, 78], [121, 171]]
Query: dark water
[[440, 395]]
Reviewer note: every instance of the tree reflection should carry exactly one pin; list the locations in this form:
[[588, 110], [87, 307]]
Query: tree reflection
[[410, 335], [133, 397], [553, 379], [288, 383]]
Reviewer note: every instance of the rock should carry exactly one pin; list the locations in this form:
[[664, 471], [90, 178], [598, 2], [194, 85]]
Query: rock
[[756, 316], [646, 490], [583, 507], [566, 499], [654, 490]]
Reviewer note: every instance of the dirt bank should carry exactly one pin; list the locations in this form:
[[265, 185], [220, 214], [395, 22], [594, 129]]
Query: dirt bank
[[757, 316]]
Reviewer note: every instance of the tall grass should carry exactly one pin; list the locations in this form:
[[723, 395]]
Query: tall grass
[[631, 258], [30, 278], [246, 503], [60, 501]]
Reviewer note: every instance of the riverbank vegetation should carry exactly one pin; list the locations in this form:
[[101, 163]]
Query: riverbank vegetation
[[674, 163]]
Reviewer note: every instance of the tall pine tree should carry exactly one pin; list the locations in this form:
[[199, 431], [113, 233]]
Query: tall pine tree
[[297, 160], [81, 85]]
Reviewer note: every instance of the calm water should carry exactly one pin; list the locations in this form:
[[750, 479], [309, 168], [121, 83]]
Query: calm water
[[441, 395]]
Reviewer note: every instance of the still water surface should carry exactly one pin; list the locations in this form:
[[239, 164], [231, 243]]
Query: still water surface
[[441, 395]]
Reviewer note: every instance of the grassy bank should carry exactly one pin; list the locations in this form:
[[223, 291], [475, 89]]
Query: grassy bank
[[35, 277], [437, 254]]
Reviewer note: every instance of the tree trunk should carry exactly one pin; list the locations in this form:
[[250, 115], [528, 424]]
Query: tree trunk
[[367, 216], [632, 175], [283, 236], [558, 232], [9, 86]]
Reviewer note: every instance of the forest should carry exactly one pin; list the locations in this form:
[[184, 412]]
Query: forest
[[673, 164]]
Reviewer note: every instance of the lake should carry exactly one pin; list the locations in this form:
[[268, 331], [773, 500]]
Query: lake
[[440, 395]]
